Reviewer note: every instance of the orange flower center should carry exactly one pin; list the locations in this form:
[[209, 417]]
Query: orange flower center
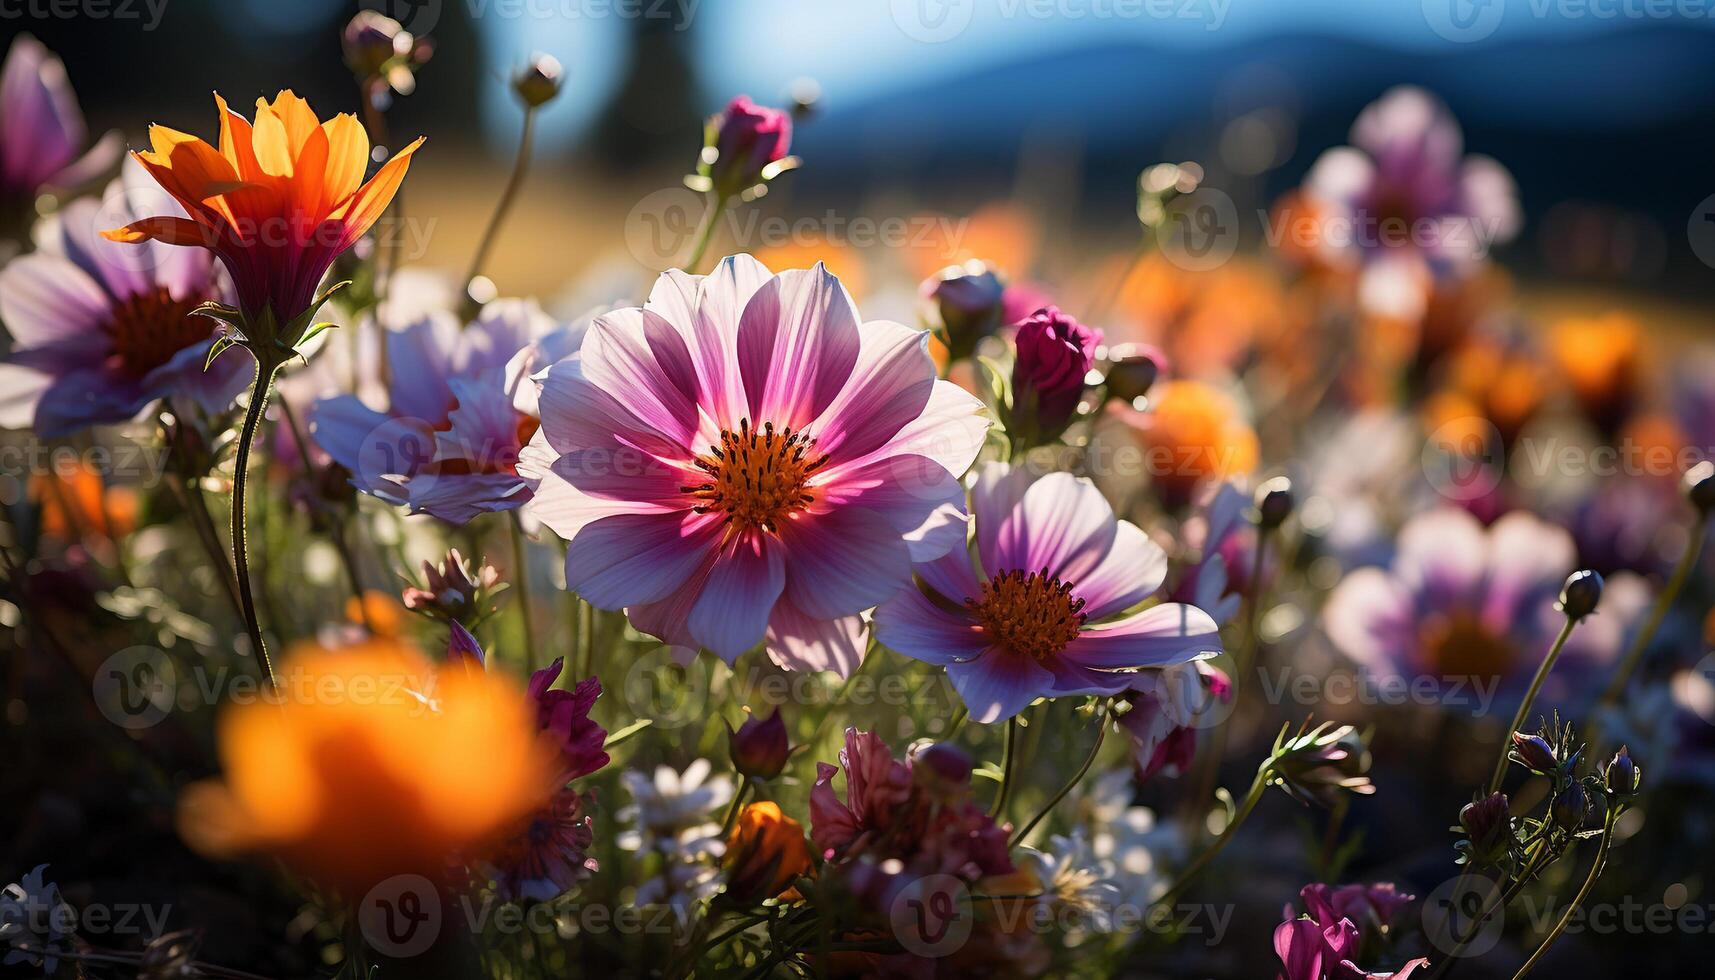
[[1034, 614], [1459, 645], [758, 477], [149, 328]]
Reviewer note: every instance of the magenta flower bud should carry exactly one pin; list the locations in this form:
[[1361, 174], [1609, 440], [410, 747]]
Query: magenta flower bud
[[1580, 595], [759, 747], [1055, 352], [1132, 370], [539, 82], [741, 141], [462, 647], [1535, 752], [1622, 774]]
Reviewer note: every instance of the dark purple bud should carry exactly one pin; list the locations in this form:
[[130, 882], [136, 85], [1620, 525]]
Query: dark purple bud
[[1700, 486], [371, 40], [1622, 775], [1055, 353], [539, 82], [1132, 370], [968, 298], [742, 141], [462, 648], [1570, 806], [1535, 752], [1580, 594], [944, 765], [759, 747], [1273, 503], [1488, 824]]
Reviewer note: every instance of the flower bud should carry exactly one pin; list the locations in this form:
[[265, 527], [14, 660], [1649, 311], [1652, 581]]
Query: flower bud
[[969, 300], [452, 591], [1535, 752], [1055, 352], [1488, 826], [1622, 775], [942, 765], [1274, 503], [1132, 370], [1580, 594], [740, 143], [1700, 486], [759, 748], [371, 40], [1570, 806], [539, 82], [1324, 763], [462, 647], [765, 854]]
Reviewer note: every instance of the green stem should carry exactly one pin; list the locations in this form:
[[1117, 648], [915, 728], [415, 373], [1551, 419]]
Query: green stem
[[240, 550], [521, 578], [737, 805], [1577, 900], [1658, 612], [1524, 706], [1089, 760], [1008, 762], [491, 234], [1258, 786], [706, 231]]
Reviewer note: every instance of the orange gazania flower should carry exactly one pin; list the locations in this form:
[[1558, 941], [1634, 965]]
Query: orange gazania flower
[[373, 766], [766, 853], [277, 202]]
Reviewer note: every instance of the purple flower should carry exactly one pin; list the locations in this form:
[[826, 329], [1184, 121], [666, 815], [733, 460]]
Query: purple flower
[[1465, 601], [1055, 352], [42, 133], [101, 329], [1169, 707], [1214, 582], [459, 411], [1040, 609], [759, 747], [1323, 944], [462, 647], [746, 138], [743, 460], [549, 854], [565, 716]]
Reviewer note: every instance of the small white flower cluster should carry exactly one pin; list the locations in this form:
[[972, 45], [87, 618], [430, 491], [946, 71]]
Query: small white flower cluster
[[670, 817]]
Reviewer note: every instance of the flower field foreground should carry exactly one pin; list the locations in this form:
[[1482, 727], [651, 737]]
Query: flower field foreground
[[975, 604]]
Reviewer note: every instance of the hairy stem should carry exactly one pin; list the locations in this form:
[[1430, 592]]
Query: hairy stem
[[240, 549], [1524, 706]]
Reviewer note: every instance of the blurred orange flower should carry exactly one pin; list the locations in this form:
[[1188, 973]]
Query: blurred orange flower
[[1488, 380], [1002, 235], [1206, 321], [79, 504], [766, 853], [1193, 431], [1601, 359], [844, 261], [365, 764]]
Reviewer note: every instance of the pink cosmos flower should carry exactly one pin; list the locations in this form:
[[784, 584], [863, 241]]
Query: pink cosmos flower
[[1469, 602], [42, 132], [459, 410], [1040, 610], [101, 329], [744, 460], [1323, 944], [1169, 707]]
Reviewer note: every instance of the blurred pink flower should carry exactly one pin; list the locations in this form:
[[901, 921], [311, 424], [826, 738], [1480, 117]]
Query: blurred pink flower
[[42, 132], [1169, 707], [1039, 610], [1464, 601], [744, 460]]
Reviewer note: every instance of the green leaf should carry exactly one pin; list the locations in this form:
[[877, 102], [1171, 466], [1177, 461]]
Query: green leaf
[[218, 348], [616, 738]]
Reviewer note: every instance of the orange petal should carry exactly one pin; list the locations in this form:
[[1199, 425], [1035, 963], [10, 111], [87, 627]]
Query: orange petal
[[297, 116], [309, 194], [268, 137], [348, 156], [361, 210], [173, 231], [235, 140]]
